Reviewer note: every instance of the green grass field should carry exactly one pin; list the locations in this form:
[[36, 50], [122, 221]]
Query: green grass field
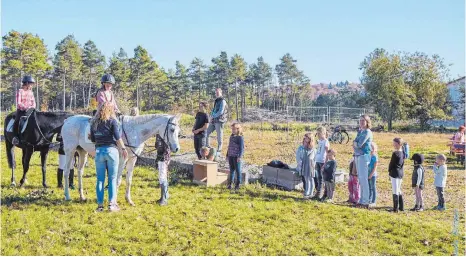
[[213, 221]]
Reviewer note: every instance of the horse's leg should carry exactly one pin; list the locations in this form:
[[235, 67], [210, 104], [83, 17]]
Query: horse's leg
[[129, 178], [43, 159], [66, 173], [121, 167], [10, 153], [27, 153], [82, 162]]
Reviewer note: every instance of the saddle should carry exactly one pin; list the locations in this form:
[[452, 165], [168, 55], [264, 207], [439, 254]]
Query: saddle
[[23, 122]]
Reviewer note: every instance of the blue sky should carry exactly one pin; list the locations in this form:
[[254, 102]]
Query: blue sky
[[328, 38]]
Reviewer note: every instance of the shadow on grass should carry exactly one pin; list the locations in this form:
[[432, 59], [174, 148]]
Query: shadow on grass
[[40, 197]]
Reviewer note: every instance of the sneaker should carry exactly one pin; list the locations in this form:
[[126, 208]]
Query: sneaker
[[307, 197], [100, 208], [442, 208], [420, 209], [72, 187], [163, 203], [415, 208], [15, 141], [113, 207], [229, 187], [436, 207], [328, 200]]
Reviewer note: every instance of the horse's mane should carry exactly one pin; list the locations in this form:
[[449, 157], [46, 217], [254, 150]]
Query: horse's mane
[[54, 114], [142, 119]]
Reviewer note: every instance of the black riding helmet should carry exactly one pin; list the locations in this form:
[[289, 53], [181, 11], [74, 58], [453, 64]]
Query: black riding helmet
[[417, 158], [28, 79], [107, 78]]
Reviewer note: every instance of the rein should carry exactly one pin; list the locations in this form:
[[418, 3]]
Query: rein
[[38, 128]]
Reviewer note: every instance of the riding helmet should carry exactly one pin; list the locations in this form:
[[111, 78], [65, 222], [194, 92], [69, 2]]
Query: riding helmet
[[28, 79], [107, 78]]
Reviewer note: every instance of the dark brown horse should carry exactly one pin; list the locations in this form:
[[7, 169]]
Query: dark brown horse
[[37, 137]]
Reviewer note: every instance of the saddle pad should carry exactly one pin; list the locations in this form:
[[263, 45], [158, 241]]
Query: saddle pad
[[87, 133], [22, 124]]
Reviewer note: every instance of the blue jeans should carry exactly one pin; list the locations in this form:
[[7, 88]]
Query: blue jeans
[[106, 158], [319, 180], [218, 127], [372, 190], [362, 162], [235, 167]]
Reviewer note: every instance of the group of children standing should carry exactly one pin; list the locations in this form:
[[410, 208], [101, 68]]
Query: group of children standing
[[316, 165]]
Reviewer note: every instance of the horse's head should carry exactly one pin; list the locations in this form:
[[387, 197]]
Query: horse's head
[[173, 130]]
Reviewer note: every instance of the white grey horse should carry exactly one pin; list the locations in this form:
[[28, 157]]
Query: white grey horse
[[134, 132]]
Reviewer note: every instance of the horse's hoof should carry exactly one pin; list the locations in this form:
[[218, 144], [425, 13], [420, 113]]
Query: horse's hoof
[[13, 184], [130, 202]]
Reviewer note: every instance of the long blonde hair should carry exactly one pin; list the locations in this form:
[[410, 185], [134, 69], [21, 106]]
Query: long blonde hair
[[311, 140], [105, 112]]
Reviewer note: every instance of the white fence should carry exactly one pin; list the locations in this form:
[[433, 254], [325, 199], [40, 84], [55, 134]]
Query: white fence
[[327, 114]]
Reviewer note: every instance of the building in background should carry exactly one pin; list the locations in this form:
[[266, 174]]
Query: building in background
[[456, 97]]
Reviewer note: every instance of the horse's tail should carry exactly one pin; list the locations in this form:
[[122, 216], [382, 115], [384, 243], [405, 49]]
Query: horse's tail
[[9, 146], [10, 154]]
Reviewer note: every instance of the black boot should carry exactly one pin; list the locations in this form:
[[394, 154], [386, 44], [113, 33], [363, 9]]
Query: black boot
[[416, 208], [71, 178], [161, 195], [60, 178], [395, 203], [400, 202], [164, 191]]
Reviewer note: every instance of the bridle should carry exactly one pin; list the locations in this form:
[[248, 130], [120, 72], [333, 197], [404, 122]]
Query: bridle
[[165, 135]]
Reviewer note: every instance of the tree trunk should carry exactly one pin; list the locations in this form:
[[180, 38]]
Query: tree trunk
[[236, 99], [89, 93]]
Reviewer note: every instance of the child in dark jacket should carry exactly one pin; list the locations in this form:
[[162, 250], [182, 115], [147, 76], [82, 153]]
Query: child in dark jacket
[[395, 170], [418, 181], [330, 168], [235, 154], [163, 159]]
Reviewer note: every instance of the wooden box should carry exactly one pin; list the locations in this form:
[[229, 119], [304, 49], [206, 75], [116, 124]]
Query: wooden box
[[206, 173]]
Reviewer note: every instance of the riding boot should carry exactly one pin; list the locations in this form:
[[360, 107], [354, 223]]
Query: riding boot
[[161, 194], [400, 203], [60, 178], [164, 191], [71, 178], [395, 203]]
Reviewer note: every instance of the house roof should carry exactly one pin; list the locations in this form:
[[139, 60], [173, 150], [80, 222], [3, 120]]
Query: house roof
[[456, 80]]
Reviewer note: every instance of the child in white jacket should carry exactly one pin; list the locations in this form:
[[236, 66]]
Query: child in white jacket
[[440, 180]]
